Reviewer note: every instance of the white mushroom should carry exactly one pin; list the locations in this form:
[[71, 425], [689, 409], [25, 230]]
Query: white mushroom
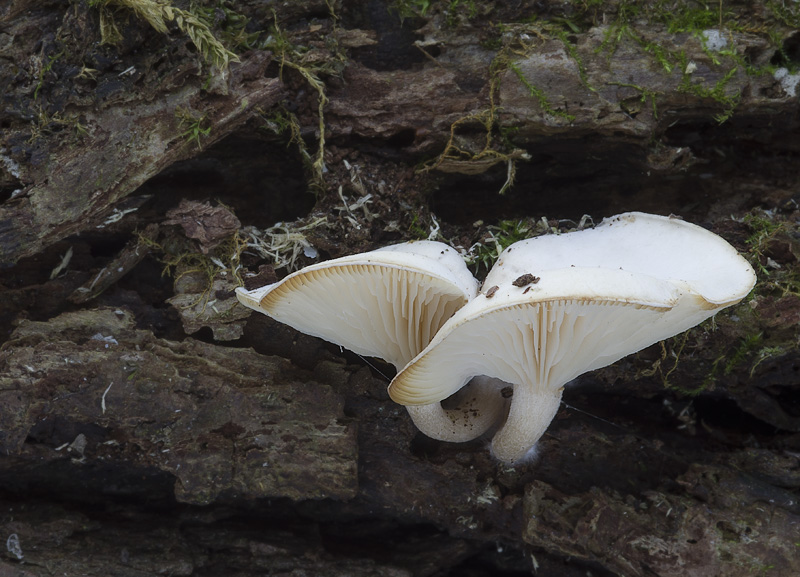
[[554, 307], [387, 303]]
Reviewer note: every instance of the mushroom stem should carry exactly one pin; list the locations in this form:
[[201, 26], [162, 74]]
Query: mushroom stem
[[480, 406], [531, 412]]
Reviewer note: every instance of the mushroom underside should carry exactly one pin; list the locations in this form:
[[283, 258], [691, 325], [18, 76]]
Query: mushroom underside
[[371, 309], [545, 344], [539, 347]]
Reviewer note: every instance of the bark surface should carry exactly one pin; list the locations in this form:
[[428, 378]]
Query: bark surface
[[151, 425]]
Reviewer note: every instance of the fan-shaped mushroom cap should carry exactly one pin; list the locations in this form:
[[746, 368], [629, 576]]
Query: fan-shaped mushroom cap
[[663, 247], [600, 295], [386, 303]]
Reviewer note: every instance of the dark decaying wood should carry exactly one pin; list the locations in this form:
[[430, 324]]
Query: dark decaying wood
[[151, 425]]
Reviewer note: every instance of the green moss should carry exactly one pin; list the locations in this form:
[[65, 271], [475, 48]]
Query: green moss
[[572, 50], [690, 18], [310, 67], [539, 95], [500, 237], [158, 13], [764, 229], [765, 354], [748, 350], [180, 260], [415, 230], [645, 93], [461, 10], [633, 19], [727, 362], [469, 6], [46, 124], [232, 25], [281, 122], [195, 127], [768, 228], [787, 13], [43, 70], [409, 8], [718, 92]]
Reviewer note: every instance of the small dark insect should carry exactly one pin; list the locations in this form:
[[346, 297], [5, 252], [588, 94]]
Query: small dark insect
[[507, 392], [526, 279], [491, 291], [526, 290]]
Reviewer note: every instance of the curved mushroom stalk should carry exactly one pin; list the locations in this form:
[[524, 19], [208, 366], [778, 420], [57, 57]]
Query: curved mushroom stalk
[[530, 415], [631, 282], [387, 303], [479, 406]]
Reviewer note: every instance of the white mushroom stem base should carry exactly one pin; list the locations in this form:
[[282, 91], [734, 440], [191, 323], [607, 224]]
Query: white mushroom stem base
[[479, 406], [530, 414]]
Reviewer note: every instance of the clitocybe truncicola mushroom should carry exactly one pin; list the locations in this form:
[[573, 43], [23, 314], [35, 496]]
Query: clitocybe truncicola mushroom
[[387, 303], [556, 306]]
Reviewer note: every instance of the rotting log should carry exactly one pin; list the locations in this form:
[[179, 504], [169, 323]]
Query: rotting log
[[78, 139], [596, 109], [76, 187], [722, 522], [91, 388]]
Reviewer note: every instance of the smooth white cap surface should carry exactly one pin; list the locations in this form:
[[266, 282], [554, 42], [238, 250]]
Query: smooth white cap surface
[[659, 246]]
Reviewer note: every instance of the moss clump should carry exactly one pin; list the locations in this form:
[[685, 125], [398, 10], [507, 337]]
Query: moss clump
[[43, 70], [769, 232], [181, 260], [633, 20], [539, 95], [718, 92], [158, 13], [409, 8], [498, 238], [195, 127], [308, 63]]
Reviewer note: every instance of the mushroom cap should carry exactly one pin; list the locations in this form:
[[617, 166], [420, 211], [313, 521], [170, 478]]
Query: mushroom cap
[[659, 246], [386, 303], [602, 294], [572, 321]]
